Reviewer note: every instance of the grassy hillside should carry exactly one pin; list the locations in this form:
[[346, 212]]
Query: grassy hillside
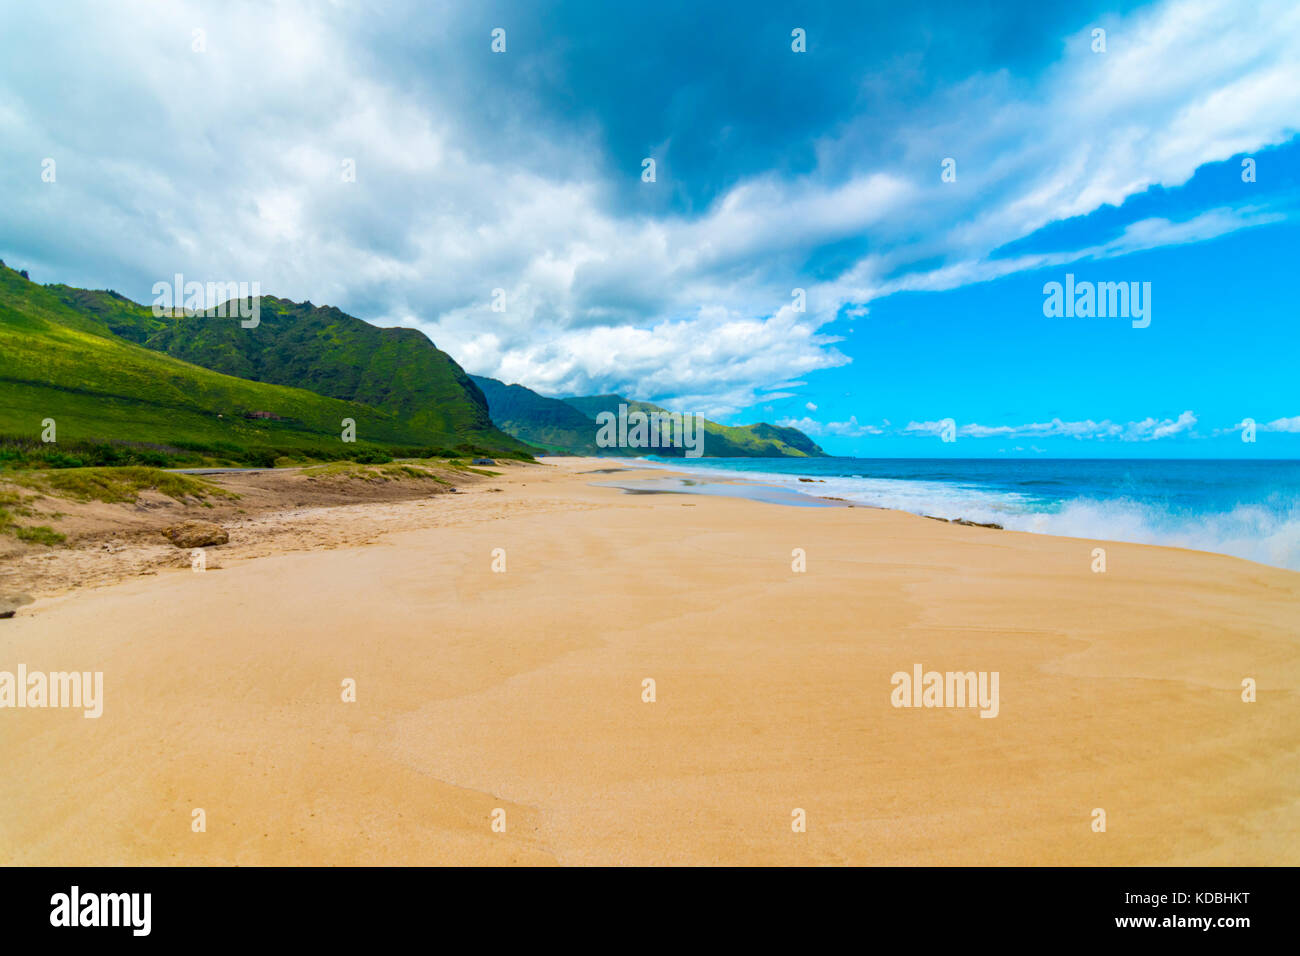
[[548, 423], [720, 441], [60, 363], [568, 425], [322, 349]]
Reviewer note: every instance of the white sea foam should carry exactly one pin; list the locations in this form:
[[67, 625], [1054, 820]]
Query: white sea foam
[[1266, 532], [1251, 531]]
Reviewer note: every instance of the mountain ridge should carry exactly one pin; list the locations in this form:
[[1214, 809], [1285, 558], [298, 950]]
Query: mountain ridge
[[75, 357], [320, 348], [534, 418]]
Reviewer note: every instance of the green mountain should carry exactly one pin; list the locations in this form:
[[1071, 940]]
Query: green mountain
[[79, 358], [551, 423], [548, 423], [760, 440], [111, 373], [322, 349]]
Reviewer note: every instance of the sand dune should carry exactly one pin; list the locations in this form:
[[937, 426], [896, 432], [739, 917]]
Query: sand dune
[[522, 690]]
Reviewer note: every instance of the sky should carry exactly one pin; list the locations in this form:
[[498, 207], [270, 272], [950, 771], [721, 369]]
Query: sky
[[922, 172]]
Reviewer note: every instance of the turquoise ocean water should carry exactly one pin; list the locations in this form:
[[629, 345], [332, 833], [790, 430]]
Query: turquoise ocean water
[[1250, 509]]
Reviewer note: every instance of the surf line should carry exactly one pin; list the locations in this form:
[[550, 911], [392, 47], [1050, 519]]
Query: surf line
[[923, 688]]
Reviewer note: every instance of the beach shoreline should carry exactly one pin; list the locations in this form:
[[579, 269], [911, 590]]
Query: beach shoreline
[[499, 640]]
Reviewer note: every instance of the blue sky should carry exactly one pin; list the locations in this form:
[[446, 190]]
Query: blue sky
[[217, 154]]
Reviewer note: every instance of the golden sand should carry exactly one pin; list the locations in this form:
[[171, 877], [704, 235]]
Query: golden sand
[[523, 691]]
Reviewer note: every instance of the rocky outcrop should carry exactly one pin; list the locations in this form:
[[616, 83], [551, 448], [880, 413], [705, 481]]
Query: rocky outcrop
[[195, 534], [10, 603]]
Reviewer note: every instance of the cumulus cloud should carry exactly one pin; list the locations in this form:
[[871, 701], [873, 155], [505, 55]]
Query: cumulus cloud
[[1148, 429], [848, 429], [1282, 425], [1286, 425], [226, 164]]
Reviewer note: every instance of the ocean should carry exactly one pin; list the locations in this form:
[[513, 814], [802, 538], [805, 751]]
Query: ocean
[[1250, 509]]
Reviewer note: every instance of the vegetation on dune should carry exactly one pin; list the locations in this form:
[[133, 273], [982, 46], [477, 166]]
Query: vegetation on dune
[[39, 534], [109, 484], [390, 472], [124, 484], [440, 470], [118, 484], [13, 503]]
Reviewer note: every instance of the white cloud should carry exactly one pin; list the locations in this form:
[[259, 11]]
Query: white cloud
[[849, 429], [226, 165], [1183, 84], [1282, 425], [1148, 429], [1276, 425]]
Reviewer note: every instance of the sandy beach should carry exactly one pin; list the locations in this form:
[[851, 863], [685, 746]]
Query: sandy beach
[[521, 690]]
